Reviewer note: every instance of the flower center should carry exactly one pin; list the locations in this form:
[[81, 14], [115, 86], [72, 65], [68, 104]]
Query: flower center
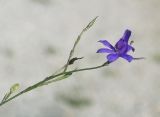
[[121, 47]]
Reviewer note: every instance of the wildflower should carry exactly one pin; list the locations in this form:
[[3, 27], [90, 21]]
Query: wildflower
[[120, 49]]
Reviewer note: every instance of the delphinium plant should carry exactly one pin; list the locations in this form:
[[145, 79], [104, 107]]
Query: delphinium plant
[[121, 49]]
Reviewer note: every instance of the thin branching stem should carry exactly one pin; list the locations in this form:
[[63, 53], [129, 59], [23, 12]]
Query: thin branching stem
[[77, 41], [39, 84], [59, 75]]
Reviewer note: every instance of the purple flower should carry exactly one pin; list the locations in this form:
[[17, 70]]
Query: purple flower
[[120, 49]]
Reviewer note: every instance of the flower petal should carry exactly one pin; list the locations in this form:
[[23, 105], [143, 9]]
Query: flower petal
[[106, 43], [120, 44], [105, 50], [121, 47], [112, 57], [127, 57], [126, 35]]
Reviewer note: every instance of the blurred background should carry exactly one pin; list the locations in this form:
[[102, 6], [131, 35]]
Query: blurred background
[[36, 37]]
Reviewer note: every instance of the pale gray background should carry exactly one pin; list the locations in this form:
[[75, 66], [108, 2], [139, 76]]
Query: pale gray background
[[36, 37]]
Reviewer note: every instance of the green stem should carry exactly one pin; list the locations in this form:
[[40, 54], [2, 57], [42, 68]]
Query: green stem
[[77, 41], [39, 84]]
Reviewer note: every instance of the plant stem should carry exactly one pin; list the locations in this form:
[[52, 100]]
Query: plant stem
[[49, 79], [39, 84], [77, 41]]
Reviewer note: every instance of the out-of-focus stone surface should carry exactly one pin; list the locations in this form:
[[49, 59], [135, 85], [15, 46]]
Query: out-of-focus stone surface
[[36, 37]]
